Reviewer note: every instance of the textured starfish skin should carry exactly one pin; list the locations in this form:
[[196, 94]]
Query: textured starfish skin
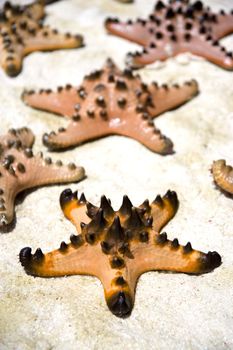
[[223, 175], [109, 102], [20, 170], [118, 246], [22, 32], [180, 26]]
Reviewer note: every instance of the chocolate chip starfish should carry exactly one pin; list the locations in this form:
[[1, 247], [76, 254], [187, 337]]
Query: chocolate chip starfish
[[223, 175], [20, 170], [118, 246], [110, 101], [22, 32], [175, 28]]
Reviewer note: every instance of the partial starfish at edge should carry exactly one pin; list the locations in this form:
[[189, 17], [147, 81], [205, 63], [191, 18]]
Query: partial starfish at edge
[[223, 175], [21, 170], [111, 101], [22, 32], [180, 26], [118, 246]]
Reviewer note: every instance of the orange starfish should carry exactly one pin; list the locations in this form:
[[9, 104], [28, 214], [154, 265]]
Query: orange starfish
[[20, 170], [108, 102], [22, 32], [175, 28], [223, 175], [118, 246]]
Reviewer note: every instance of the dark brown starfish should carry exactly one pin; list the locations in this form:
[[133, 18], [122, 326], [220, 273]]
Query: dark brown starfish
[[175, 28], [22, 32], [110, 101], [20, 170], [118, 246], [223, 175]]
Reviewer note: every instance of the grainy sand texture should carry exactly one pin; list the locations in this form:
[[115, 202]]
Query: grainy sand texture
[[172, 311]]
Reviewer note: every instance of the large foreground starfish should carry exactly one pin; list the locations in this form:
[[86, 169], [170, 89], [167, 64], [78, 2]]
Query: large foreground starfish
[[175, 28], [118, 246], [20, 170], [110, 101], [22, 32], [223, 175]]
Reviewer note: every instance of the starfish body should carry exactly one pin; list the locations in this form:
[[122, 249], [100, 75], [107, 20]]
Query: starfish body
[[22, 32], [176, 28], [20, 170], [223, 175], [108, 102], [118, 246]]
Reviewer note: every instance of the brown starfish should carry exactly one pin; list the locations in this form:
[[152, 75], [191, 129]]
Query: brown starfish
[[118, 246], [20, 170], [175, 28], [223, 175], [22, 32], [110, 101]]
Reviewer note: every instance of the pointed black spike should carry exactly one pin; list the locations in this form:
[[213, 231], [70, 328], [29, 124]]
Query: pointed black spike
[[63, 246], [91, 210], [126, 207], [162, 238], [144, 237], [105, 205], [134, 220], [98, 221], [187, 248], [90, 238], [115, 232], [105, 246], [175, 243], [158, 200], [38, 256], [159, 6], [82, 198], [76, 240]]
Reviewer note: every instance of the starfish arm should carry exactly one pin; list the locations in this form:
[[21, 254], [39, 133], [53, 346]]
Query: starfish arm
[[136, 32], [76, 133], [163, 209], [160, 254], [79, 258], [224, 25], [210, 50], [169, 97], [22, 137], [146, 133], [26, 172], [223, 175], [47, 39], [65, 101], [70, 259], [74, 208], [147, 56]]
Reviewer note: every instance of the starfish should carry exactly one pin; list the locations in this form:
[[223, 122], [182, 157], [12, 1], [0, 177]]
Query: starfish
[[111, 101], [118, 246], [22, 32], [21, 170], [177, 28], [223, 175]]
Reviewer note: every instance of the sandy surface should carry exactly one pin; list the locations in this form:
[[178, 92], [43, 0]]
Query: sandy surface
[[172, 311]]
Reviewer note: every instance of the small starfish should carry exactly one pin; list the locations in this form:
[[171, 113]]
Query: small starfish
[[176, 28], [22, 32], [223, 175], [118, 246], [108, 102], [20, 170]]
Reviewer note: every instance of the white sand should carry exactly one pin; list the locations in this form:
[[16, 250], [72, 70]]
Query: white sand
[[172, 311]]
